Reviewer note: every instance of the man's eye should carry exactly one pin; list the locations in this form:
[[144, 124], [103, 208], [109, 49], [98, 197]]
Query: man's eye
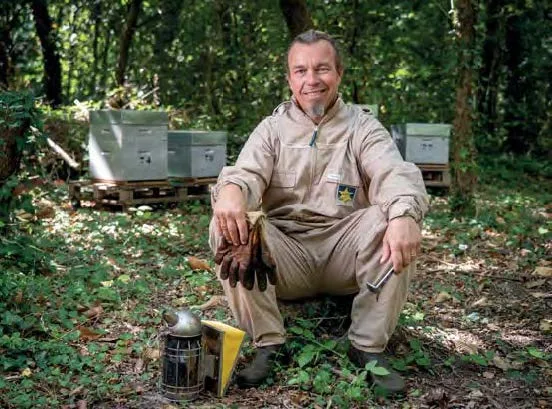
[[323, 69], [300, 71]]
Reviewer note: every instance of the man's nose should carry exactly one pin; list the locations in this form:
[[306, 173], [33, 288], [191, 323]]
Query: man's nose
[[312, 77]]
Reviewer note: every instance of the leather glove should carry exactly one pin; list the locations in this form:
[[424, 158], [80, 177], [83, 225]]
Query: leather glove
[[245, 262], [235, 262], [263, 264]]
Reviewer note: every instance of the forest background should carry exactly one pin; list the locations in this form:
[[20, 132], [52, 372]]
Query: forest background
[[483, 66]]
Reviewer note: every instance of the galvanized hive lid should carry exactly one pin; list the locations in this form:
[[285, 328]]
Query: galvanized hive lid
[[183, 323], [128, 117], [197, 137], [426, 129]]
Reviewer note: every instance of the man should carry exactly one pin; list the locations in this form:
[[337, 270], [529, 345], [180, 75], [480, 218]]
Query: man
[[341, 208]]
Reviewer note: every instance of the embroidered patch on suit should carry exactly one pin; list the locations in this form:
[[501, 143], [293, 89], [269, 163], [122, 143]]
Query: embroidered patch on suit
[[346, 195]]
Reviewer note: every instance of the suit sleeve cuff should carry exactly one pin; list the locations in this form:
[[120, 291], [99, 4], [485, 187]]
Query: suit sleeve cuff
[[221, 183], [401, 210]]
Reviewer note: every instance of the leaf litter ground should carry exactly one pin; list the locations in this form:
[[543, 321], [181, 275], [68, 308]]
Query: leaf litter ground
[[475, 332]]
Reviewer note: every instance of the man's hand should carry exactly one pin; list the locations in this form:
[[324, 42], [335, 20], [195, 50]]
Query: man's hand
[[401, 242], [245, 261], [229, 211]]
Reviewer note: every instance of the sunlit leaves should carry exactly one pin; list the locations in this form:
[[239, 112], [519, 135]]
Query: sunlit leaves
[[307, 354], [373, 367]]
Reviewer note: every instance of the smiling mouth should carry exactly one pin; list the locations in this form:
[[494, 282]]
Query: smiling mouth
[[314, 92]]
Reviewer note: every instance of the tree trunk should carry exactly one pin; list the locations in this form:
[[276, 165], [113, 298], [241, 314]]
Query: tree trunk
[[515, 113], [4, 58], [10, 158], [105, 58], [71, 57], [10, 155], [52, 65], [9, 19], [489, 74], [126, 40], [168, 26], [463, 149], [167, 30], [234, 55], [297, 16], [358, 20], [97, 18]]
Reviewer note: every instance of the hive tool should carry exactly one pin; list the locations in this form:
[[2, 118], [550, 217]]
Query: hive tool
[[378, 285]]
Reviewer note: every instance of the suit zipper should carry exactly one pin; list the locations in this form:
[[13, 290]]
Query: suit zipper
[[314, 135], [313, 155]]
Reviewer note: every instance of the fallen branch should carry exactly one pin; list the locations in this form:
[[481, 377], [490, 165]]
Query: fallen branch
[[12, 377], [65, 156], [336, 317], [464, 272], [439, 261], [475, 273]]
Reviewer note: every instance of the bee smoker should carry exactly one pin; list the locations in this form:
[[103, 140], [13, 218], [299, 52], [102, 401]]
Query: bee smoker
[[182, 357]]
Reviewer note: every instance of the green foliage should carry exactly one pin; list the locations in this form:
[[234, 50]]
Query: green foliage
[[18, 110], [505, 170], [506, 205], [418, 355], [479, 359], [51, 283], [411, 315], [20, 125], [315, 358], [222, 65], [397, 55]]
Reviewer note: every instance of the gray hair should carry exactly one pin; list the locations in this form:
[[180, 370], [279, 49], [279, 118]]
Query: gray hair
[[313, 36]]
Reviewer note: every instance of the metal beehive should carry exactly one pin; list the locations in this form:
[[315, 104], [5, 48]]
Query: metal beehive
[[423, 143], [196, 154], [128, 145]]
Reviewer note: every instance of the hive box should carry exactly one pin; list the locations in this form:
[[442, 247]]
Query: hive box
[[196, 154], [128, 145], [423, 143]]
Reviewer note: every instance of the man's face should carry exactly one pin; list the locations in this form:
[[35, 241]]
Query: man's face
[[313, 76]]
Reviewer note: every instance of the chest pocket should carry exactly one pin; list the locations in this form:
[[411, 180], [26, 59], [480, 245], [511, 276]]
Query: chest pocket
[[282, 179], [341, 182], [281, 190]]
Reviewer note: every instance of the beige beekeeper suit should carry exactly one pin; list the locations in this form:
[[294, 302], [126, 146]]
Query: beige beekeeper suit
[[328, 191]]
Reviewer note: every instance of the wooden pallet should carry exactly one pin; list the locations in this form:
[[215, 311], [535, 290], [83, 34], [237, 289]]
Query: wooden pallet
[[435, 175], [126, 194]]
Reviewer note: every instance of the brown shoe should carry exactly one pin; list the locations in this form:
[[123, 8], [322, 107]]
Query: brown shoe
[[392, 383], [259, 368]]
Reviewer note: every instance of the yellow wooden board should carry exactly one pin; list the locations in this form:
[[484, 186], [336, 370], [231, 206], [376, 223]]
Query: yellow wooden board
[[232, 339]]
